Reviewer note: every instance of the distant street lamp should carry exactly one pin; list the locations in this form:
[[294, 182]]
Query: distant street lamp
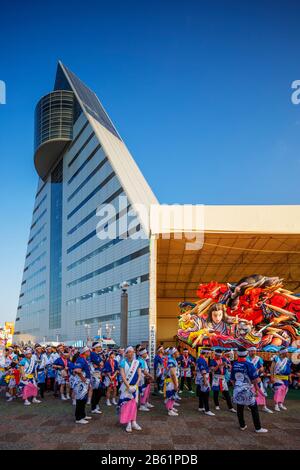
[[124, 315], [100, 330], [87, 327], [108, 329]]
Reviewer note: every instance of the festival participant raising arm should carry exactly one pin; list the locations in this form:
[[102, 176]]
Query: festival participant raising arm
[[131, 375]]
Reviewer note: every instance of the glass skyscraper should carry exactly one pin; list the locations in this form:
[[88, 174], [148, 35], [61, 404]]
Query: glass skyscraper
[[71, 280]]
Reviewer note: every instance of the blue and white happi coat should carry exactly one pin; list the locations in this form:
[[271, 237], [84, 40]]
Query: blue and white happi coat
[[50, 372], [81, 387], [202, 372], [170, 391], [219, 382], [258, 363], [96, 377], [144, 368], [282, 371], [41, 364], [132, 376], [243, 373], [29, 366]]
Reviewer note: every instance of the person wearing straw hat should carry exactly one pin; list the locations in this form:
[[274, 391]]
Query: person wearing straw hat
[[130, 371], [81, 385], [280, 377], [258, 363], [243, 376], [203, 381]]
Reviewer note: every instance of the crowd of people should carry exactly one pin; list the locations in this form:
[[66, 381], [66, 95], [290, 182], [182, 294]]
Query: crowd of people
[[123, 379]]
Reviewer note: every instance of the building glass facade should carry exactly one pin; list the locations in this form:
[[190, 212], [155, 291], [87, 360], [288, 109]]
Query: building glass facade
[[71, 279], [56, 190]]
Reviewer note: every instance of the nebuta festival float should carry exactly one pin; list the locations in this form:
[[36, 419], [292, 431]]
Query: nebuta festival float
[[256, 311]]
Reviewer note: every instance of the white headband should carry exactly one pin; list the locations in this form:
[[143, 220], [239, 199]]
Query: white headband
[[172, 351], [242, 353]]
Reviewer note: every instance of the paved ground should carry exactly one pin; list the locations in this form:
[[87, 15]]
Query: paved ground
[[50, 425]]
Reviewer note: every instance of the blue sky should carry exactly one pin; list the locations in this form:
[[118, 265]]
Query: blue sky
[[199, 90]]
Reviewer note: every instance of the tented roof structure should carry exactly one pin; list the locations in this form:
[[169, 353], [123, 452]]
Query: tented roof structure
[[238, 241]]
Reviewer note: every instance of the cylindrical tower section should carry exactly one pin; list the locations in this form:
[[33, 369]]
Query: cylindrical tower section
[[53, 129]]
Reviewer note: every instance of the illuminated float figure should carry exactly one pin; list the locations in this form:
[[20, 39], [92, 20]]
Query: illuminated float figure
[[256, 311]]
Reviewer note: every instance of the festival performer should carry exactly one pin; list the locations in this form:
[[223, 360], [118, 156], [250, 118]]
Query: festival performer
[[72, 375], [187, 366], [81, 385], [28, 385], [9, 374], [63, 366], [130, 372], [12, 378], [96, 367], [57, 351], [120, 355], [202, 382], [280, 377], [159, 369], [243, 375], [41, 364], [218, 366], [111, 368], [11, 354], [145, 382], [258, 363], [171, 382], [5, 362], [50, 372], [229, 358]]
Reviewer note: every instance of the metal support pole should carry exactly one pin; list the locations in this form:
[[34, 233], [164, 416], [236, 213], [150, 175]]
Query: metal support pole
[[124, 316]]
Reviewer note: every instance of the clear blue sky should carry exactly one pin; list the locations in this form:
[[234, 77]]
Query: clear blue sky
[[199, 90]]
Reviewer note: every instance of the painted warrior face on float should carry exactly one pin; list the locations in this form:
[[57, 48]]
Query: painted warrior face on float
[[243, 328]]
